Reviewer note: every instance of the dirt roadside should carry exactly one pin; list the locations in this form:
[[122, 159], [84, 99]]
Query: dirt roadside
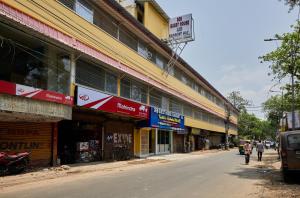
[[272, 184], [65, 171]]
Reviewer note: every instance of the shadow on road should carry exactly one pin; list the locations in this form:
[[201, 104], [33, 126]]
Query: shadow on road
[[269, 177]]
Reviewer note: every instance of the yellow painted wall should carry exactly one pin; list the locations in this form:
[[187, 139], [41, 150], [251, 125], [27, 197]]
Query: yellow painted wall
[[188, 121], [154, 22], [54, 14]]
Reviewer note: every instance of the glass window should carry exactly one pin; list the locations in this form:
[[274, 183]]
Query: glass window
[[175, 106], [128, 39], [125, 88], [69, 3], [198, 115], [161, 62], [105, 22], [155, 100], [84, 10], [294, 141], [111, 83], [178, 74], [90, 75], [28, 61], [60, 76], [187, 110], [142, 50]]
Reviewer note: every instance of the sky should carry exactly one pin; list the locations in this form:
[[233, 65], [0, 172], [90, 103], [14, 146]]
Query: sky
[[229, 39]]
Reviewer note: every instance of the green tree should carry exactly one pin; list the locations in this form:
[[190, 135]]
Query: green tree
[[292, 3], [284, 61], [238, 101]]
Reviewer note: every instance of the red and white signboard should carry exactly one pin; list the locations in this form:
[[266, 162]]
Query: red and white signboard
[[100, 101], [34, 93]]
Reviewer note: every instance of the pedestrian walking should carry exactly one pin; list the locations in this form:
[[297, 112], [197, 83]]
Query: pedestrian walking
[[260, 150], [248, 151]]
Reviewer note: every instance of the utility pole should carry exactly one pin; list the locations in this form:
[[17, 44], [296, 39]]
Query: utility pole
[[227, 122]]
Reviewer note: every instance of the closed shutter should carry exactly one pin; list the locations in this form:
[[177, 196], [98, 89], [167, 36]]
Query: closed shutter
[[32, 137], [117, 134]]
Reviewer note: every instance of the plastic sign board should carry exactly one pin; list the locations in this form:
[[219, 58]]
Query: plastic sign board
[[34, 93], [181, 28], [163, 119], [104, 102]]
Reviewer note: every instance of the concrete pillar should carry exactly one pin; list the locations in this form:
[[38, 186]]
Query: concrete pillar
[[72, 74], [171, 141], [156, 145]]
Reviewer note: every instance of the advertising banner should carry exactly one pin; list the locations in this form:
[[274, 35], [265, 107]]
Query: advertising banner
[[34, 93], [168, 120], [101, 101], [180, 28]]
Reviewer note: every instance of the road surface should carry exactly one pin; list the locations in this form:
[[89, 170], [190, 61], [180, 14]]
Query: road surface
[[219, 175]]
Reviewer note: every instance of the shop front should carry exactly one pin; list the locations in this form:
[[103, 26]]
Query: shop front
[[200, 137], [29, 119], [180, 141], [156, 136], [102, 127]]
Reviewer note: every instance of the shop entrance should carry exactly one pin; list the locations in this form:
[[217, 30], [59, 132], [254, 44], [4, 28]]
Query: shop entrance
[[152, 141], [79, 141], [163, 141]]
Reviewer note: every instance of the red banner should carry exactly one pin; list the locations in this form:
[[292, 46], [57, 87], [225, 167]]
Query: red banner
[[34, 93], [100, 101]]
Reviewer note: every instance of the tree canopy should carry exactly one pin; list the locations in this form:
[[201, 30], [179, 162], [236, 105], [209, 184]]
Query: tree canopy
[[238, 101]]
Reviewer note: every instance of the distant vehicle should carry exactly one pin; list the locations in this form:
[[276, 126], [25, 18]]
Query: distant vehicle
[[267, 144], [290, 152]]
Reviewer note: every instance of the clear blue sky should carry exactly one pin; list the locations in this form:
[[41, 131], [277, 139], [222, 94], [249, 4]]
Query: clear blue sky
[[229, 40]]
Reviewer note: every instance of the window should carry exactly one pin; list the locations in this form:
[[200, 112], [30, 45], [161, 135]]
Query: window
[[175, 106], [105, 22], [198, 115], [125, 88], [28, 61], [93, 76], [187, 110], [142, 50], [128, 39], [155, 100], [90, 75], [133, 90], [84, 10], [294, 141], [178, 74], [111, 83], [161, 62]]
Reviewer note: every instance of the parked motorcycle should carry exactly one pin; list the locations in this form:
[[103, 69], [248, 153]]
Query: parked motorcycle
[[13, 164]]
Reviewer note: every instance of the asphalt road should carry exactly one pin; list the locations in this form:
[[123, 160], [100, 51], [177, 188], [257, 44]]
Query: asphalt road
[[217, 175]]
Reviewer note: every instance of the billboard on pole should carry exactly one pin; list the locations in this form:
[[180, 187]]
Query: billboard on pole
[[181, 28]]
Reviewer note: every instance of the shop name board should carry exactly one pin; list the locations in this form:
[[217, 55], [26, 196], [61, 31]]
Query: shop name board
[[164, 119], [34, 93], [104, 102], [180, 28], [10, 145]]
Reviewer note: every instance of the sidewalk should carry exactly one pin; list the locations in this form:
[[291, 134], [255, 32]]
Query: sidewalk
[[102, 167], [271, 183]]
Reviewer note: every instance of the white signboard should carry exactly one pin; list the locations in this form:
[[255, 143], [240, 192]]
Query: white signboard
[[180, 28]]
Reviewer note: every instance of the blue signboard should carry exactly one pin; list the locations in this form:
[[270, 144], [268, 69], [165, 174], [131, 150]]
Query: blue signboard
[[163, 119]]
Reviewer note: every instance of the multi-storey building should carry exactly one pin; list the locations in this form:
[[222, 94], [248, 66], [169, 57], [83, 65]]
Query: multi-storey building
[[84, 80]]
